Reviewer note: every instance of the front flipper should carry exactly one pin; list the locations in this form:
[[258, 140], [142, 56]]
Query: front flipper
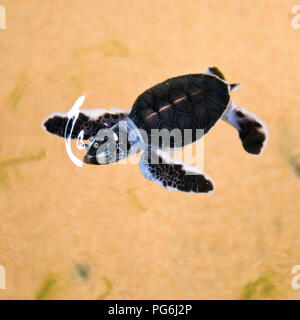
[[91, 121], [252, 131], [174, 175]]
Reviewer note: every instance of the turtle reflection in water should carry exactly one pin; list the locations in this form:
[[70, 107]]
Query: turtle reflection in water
[[193, 102]]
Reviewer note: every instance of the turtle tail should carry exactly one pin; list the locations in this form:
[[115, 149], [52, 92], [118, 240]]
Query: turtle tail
[[218, 73]]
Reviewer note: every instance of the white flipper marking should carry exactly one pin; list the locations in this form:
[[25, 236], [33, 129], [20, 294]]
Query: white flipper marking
[[231, 117]]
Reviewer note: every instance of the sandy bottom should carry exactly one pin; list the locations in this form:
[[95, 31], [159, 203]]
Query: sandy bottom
[[108, 233]]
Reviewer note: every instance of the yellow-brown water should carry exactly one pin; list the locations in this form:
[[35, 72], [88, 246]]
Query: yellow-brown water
[[106, 232]]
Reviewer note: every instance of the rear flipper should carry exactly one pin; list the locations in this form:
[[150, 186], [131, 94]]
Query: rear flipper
[[174, 175], [252, 131]]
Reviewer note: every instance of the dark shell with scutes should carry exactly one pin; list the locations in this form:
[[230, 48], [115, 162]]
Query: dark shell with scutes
[[193, 101]]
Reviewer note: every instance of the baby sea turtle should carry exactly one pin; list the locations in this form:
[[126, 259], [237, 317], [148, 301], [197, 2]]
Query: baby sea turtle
[[185, 103]]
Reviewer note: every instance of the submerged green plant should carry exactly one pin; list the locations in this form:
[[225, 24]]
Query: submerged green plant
[[295, 164], [17, 91], [47, 289], [76, 83], [135, 199], [107, 291], [115, 48], [261, 288], [292, 156], [19, 160]]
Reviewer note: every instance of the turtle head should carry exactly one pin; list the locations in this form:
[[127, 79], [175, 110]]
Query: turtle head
[[91, 155], [105, 148]]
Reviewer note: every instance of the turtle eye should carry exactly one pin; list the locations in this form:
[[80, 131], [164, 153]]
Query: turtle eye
[[96, 145]]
